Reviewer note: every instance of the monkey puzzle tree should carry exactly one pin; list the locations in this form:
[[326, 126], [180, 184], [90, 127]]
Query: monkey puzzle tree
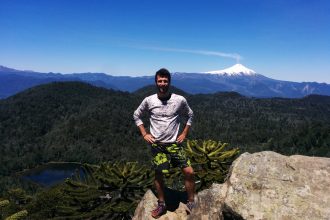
[[211, 160]]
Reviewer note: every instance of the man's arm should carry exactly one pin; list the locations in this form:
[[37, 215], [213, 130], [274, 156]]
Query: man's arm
[[184, 134], [146, 136], [187, 112], [139, 123]]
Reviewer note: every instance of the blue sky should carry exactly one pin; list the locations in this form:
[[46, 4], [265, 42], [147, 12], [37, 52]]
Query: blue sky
[[281, 39]]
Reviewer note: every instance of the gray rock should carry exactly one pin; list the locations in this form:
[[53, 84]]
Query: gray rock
[[263, 185], [149, 202], [268, 185]]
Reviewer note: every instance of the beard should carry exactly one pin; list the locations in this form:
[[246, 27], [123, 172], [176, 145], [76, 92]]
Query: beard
[[163, 93], [163, 89]]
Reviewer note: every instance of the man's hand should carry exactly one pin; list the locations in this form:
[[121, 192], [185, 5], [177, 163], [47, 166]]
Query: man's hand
[[184, 134], [146, 136], [181, 138], [149, 138]]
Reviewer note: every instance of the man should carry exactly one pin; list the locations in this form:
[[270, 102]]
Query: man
[[165, 112]]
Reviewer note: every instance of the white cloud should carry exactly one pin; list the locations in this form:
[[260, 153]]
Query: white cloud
[[235, 56]]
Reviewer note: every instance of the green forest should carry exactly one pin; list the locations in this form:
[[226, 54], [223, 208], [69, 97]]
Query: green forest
[[73, 121]]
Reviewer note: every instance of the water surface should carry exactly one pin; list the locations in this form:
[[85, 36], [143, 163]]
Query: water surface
[[52, 173]]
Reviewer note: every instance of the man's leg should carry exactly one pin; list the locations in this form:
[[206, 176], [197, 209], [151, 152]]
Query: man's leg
[[179, 158], [189, 182], [161, 165], [161, 206], [159, 185]]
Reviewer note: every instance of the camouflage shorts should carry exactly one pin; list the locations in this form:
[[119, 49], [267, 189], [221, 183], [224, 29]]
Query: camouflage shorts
[[165, 155]]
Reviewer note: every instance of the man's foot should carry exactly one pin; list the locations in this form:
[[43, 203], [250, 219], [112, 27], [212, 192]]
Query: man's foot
[[159, 210], [190, 205]]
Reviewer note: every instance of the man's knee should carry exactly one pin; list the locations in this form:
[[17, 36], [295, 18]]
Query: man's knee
[[188, 171]]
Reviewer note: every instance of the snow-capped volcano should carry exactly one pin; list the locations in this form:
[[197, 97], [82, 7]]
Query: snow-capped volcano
[[237, 69], [237, 78]]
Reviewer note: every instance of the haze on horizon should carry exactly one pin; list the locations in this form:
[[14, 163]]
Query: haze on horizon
[[286, 40]]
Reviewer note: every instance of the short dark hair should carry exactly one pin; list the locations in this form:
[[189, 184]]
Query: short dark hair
[[163, 73]]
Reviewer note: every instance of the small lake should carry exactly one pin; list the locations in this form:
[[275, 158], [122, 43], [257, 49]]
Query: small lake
[[50, 174]]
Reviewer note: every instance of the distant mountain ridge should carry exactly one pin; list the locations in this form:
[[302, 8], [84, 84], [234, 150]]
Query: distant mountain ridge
[[237, 78]]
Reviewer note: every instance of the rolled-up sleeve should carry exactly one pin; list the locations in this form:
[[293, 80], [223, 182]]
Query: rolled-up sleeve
[[188, 112], [139, 112]]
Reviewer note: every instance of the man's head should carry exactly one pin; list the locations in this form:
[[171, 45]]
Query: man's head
[[163, 80]]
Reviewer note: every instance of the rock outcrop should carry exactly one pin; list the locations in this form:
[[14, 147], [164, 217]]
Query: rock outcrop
[[263, 185]]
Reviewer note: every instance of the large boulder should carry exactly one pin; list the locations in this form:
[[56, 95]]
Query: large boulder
[[264, 185], [268, 185]]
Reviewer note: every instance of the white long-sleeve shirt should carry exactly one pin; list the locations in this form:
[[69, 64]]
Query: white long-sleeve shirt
[[164, 116]]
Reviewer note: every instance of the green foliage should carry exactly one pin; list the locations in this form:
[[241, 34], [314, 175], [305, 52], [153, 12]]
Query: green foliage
[[129, 179], [46, 203], [109, 191], [12, 207], [5, 208], [4, 203], [210, 160], [18, 195], [14, 181], [18, 215], [112, 190]]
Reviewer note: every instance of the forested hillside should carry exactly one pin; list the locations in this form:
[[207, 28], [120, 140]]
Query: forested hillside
[[73, 121], [287, 126]]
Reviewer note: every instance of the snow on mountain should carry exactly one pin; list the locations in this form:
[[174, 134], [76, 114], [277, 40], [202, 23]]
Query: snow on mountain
[[237, 69], [237, 78]]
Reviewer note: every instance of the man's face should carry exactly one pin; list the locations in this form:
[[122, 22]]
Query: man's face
[[162, 84]]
